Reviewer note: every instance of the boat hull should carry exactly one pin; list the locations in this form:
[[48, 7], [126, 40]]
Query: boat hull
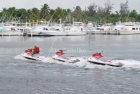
[[76, 34], [63, 58], [11, 33], [35, 58], [107, 62], [127, 32], [55, 33]]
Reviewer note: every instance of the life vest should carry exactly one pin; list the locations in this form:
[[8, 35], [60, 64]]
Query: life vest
[[97, 55], [36, 49], [28, 50], [59, 53]]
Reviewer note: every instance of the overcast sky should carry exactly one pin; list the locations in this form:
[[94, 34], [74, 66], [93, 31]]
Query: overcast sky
[[53, 4]]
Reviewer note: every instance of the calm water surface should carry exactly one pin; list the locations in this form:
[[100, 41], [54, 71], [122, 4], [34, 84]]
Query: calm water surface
[[20, 76]]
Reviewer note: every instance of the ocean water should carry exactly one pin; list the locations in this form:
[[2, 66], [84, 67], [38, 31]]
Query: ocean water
[[21, 76]]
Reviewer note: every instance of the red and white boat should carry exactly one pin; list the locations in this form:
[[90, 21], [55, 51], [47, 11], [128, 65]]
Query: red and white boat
[[27, 54], [61, 56], [97, 59]]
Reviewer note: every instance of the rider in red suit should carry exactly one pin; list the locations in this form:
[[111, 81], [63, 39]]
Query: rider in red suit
[[35, 50], [97, 55], [60, 52]]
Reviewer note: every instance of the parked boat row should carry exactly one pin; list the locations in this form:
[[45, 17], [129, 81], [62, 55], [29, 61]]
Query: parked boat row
[[14, 29], [76, 29], [122, 28], [43, 30]]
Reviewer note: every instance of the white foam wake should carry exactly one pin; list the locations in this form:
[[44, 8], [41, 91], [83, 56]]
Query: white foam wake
[[20, 57], [129, 63], [84, 63]]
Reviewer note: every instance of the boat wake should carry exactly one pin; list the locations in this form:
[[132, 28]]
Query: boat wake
[[20, 57], [128, 63]]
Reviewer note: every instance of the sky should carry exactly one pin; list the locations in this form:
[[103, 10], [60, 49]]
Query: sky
[[65, 4]]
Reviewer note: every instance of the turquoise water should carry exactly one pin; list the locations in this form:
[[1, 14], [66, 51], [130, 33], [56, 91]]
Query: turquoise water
[[21, 76]]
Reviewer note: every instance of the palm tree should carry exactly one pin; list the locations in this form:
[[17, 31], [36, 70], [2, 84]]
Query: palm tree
[[77, 13], [44, 11], [60, 14], [35, 13]]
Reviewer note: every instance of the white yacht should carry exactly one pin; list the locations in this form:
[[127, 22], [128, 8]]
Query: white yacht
[[89, 28], [38, 30], [130, 28], [10, 31], [116, 29], [13, 29], [56, 30], [98, 29], [77, 29], [106, 28]]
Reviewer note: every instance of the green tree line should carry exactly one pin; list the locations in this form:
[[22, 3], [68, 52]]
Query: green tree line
[[93, 13]]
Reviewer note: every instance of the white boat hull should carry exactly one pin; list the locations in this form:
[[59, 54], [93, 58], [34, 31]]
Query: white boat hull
[[75, 33], [127, 32], [55, 33], [94, 31], [11, 33], [62, 58], [114, 32], [108, 62], [37, 33], [36, 58]]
